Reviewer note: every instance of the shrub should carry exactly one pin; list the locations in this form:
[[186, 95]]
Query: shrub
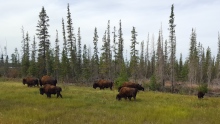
[[153, 83], [203, 88]]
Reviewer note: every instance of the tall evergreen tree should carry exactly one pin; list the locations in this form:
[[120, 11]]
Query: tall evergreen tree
[[85, 66], [160, 61], [142, 61], [95, 56], [65, 68], [134, 54], [218, 59], [104, 58], [208, 66], [115, 51], [33, 67], [25, 58], [120, 46], [79, 58], [44, 43], [71, 41], [193, 59], [172, 41], [57, 57], [147, 65]]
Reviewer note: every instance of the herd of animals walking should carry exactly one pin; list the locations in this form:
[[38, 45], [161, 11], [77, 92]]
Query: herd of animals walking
[[126, 90]]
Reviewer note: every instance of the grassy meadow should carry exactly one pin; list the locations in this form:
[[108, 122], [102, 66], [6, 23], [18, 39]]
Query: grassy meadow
[[20, 104]]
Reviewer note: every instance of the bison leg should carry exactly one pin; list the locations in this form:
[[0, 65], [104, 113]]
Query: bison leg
[[129, 98], [58, 94], [48, 95]]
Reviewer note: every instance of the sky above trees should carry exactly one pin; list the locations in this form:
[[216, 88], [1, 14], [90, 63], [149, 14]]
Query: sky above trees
[[146, 15]]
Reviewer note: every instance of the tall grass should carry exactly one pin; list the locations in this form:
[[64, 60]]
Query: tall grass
[[20, 104]]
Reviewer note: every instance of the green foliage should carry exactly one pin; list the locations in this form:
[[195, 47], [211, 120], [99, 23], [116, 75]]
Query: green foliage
[[153, 83], [121, 79], [203, 88]]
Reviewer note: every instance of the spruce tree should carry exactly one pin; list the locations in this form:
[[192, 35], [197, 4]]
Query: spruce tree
[[142, 61], [33, 66], [79, 58], [172, 41], [120, 47], [65, 68], [147, 58], [193, 59], [71, 43], [134, 54], [57, 57], [95, 56], [85, 67], [44, 43]]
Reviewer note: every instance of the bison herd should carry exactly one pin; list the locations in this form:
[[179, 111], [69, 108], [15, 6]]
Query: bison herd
[[47, 83], [127, 90], [48, 86]]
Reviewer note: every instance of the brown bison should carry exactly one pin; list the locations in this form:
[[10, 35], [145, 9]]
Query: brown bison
[[50, 89], [47, 80], [30, 81], [103, 84], [131, 85], [200, 94], [127, 92]]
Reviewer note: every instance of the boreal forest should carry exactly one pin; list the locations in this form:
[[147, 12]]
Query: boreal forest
[[158, 69]]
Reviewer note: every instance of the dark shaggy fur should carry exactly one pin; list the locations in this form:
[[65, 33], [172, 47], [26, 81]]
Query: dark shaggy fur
[[127, 92], [50, 89], [30, 81], [103, 84], [47, 80], [200, 94], [131, 85]]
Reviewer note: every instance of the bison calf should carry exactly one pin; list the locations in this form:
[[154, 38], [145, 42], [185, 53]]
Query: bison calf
[[200, 94], [127, 92], [51, 89]]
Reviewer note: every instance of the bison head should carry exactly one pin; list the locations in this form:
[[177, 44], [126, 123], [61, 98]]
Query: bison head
[[139, 87], [95, 85], [118, 97], [41, 91], [24, 81]]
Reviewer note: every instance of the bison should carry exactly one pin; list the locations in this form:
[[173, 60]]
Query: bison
[[47, 80], [200, 94], [103, 84], [127, 92], [50, 89], [131, 85], [30, 81]]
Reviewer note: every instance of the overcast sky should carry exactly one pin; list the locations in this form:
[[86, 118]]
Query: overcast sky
[[146, 16]]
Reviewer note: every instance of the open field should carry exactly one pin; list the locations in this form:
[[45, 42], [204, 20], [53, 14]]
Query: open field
[[22, 105]]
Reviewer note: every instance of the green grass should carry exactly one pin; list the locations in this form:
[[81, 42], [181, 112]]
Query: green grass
[[22, 105]]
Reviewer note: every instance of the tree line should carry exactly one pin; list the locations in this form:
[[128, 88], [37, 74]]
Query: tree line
[[77, 62]]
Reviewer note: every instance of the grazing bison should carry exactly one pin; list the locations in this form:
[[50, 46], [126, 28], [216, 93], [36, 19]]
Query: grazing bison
[[47, 80], [30, 81], [51, 89], [127, 92], [200, 94], [131, 85], [103, 84]]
